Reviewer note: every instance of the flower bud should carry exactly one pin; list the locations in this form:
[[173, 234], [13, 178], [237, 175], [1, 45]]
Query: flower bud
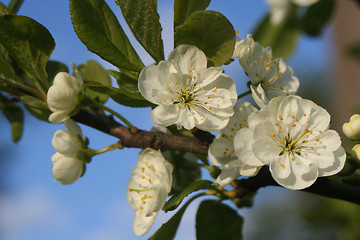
[[63, 96], [352, 129], [66, 170], [355, 152]]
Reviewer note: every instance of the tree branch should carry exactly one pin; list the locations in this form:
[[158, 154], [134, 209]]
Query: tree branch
[[157, 140], [142, 139], [323, 186]]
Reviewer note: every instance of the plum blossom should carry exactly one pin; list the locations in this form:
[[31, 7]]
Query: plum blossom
[[67, 166], [63, 96], [148, 188], [188, 94], [292, 135], [222, 152], [268, 78]]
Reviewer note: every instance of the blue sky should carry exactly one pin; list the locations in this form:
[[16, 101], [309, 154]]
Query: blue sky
[[35, 207]]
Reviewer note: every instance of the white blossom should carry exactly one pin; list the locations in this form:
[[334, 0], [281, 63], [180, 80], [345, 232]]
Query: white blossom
[[67, 167], [352, 129], [188, 94], [222, 152], [292, 135], [268, 78], [63, 96], [148, 188]]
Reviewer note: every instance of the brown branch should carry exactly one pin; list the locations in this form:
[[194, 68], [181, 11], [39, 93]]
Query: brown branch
[[157, 140], [142, 139], [323, 186]]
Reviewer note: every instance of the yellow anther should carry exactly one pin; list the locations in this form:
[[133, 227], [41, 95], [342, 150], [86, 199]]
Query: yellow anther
[[312, 148], [261, 57], [208, 96], [304, 114], [279, 131], [277, 124], [189, 71], [307, 121], [179, 106], [292, 159], [272, 135], [256, 74], [281, 88], [281, 142], [282, 165], [294, 125], [164, 100], [317, 139], [202, 87], [256, 62], [215, 89], [237, 31], [186, 85], [269, 55]]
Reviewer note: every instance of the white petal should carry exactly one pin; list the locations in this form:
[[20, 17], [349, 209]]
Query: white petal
[[148, 81], [220, 151], [65, 143], [66, 170], [259, 95], [293, 181], [249, 171], [188, 57], [143, 224], [243, 142], [165, 115], [59, 116], [73, 128], [340, 158], [227, 176]]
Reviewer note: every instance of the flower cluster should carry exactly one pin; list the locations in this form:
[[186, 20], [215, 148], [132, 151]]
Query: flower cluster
[[188, 93], [148, 188], [222, 152], [268, 78], [68, 143]]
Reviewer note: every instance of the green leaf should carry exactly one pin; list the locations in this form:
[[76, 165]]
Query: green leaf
[[53, 68], [129, 88], [14, 115], [175, 200], [143, 20], [215, 220], [4, 10], [281, 37], [211, 32], [36, 107], [98, 28], [184, 172], [94, 72], [6, 69], [184, 8], [317, 16], [168, 230], [121, 96], [29, 43]]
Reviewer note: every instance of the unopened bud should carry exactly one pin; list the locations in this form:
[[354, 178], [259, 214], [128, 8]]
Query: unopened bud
[[352, 128]]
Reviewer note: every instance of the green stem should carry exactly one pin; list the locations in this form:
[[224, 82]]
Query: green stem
[[244, 94], [127, 123], [15, 5], [107, 149]]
